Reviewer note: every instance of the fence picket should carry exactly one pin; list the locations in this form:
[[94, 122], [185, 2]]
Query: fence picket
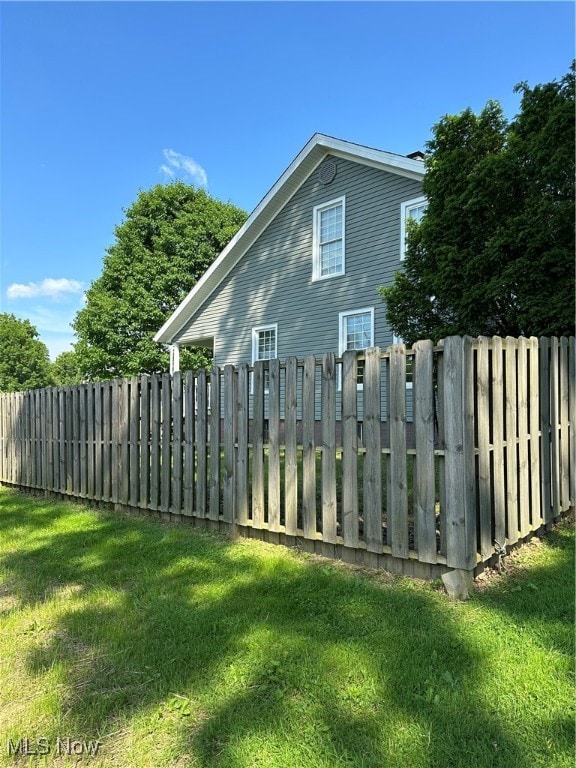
[[328, 379], [564, 457], [155, 436], [214, 442], [26, 435], [107, 440], [135, 401], [166, 448], [177, 439], [274, 445], [76, 439], [398, 502], [258, 446], [309, 447], [572, 416], [61, 439], [89, 405], [511, 442], [201, 443], [242, 451], [499, 482], [83, 441], [291, 451], [229, 393], [350, 449], [554, 427], [483, 426], [545, 485], [98, 440], [373, 454], [144, 441], [188, 469], [522, 420], [124, 419], [459, 516], [534, 428], [424, 483]]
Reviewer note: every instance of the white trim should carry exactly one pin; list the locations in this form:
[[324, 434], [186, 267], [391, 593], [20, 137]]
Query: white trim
[[404, 211], [317, 210], [174, 358], [307, 160], [342, 334]]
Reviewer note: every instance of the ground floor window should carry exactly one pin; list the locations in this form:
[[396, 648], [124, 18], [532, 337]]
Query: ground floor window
[[265, 346], [357, 332]]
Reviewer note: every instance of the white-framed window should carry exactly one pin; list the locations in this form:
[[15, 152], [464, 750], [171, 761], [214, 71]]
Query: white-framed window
[[409, 362], [264, 347], [356, 332], [411, 209], [328, 239]]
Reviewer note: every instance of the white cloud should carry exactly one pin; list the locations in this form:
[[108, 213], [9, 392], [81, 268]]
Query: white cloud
[[168, 171], [51, 287], [56, 318], [187, 165]]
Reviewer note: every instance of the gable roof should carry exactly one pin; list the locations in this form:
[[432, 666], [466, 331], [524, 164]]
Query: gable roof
[[293, 177]]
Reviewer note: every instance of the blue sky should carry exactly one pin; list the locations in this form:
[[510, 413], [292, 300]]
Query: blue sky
[[101, 100]]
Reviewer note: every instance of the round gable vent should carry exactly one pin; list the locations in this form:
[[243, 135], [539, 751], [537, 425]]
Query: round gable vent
[[327, 171]]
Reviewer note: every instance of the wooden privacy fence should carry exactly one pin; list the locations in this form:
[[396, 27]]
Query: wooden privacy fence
[[276, 450]]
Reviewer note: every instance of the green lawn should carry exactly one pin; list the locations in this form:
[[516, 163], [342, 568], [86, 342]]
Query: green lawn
[[178, 648]]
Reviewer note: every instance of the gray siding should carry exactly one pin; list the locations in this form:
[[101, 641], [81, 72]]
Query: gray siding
[[272, 283]]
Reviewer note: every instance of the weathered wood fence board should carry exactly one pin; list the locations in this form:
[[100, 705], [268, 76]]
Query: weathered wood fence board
[[474, 451], [424, 480]]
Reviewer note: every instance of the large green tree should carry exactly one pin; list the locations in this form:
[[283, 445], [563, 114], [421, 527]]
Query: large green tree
[[66, 369], [24, 360], [494, 253], [170, 236]]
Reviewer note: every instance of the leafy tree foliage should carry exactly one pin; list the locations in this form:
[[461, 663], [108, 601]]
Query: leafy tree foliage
[[24, 359], [494, 252], [66, 369], [169, 237]]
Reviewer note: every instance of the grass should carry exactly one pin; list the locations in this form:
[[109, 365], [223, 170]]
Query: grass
[[178, 648]]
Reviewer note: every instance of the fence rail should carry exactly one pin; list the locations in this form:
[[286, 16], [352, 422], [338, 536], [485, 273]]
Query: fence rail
[[475, 455]]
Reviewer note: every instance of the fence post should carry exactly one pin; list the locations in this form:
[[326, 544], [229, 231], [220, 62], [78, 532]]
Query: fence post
[[458, 392]]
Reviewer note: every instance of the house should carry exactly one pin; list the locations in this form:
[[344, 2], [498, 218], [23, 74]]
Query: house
[[301, 276]]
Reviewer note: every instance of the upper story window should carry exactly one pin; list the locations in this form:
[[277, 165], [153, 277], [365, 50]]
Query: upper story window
[[264, 346], [357, 332], [411, 209], [328, 239]]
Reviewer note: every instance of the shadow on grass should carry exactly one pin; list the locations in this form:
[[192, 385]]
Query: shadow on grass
[[246, 654]]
